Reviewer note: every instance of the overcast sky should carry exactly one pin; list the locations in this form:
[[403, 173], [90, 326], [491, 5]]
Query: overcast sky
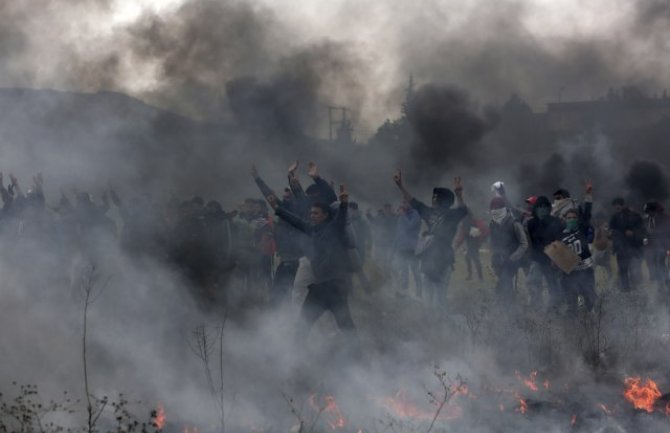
[[537, 48]]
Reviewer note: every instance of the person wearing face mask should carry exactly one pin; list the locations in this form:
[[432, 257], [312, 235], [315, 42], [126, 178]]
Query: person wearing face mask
[[435, 251], [563, 203], [509, 243], [581, 281], [543, 229]]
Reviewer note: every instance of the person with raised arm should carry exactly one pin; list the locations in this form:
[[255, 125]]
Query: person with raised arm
[[289, 241], [581, 281], [331, 286], [435, 251]]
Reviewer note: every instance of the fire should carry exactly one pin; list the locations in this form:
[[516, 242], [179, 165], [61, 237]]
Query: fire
[[330, 409], [530, 380], [159, 418], [400, 405], [667, 409], [523, 405], [642, 395]]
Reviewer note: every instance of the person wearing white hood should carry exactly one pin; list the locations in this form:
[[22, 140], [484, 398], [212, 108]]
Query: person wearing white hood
[[563, 203], [509, 243]]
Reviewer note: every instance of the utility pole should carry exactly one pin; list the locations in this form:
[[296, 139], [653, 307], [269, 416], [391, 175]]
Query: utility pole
[[333, 122]]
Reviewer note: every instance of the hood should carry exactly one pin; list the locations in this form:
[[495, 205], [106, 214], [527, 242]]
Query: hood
[[541, 201]]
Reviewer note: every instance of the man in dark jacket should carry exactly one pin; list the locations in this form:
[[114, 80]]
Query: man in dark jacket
[[329, 261], [627, 232], [543, 229], [435, 250], [509, 243]]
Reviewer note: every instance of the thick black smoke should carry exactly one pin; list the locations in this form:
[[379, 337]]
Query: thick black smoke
[[647, 181], [447, 128]]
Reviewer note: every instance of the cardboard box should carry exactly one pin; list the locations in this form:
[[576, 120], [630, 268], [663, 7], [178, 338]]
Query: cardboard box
[[562, 256]]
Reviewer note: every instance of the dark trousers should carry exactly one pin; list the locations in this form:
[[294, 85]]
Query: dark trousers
[[505, 273], [330, 296], [544, 271], [580, 283], [627, 263], [283, 280]]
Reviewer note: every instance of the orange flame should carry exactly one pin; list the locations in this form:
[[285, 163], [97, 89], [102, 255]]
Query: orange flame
[[642, 395], [334, 417], [401, 407], [160, 417], [667, 409], [523, 405], [530, 380]]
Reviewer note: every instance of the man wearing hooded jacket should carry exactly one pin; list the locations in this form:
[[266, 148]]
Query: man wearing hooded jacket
[[435, 250], [543, 229]]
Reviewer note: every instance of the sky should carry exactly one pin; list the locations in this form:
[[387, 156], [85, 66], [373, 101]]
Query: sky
[[180, 54]]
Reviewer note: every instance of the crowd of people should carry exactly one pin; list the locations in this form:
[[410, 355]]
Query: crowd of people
[[317, 241]]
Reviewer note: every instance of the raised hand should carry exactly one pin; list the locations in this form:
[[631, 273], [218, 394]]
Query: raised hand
[[312, 170], [293, 167], [458, 185], [397, 177], [588, 186], [272, 201], [344, 195]]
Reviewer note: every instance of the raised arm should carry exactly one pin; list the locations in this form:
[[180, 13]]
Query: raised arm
[[15, 185], [397, 178], [265, 189], [341, 215], [588, 203], [458, 192], [288, 216], [301, 200]]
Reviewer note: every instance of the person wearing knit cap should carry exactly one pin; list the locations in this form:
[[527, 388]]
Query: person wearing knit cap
[[509, 243], [435, 251]]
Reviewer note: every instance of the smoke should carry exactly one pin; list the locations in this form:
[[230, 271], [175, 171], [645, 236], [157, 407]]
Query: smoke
[[646, 180], [447, 129], [251, 82]]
